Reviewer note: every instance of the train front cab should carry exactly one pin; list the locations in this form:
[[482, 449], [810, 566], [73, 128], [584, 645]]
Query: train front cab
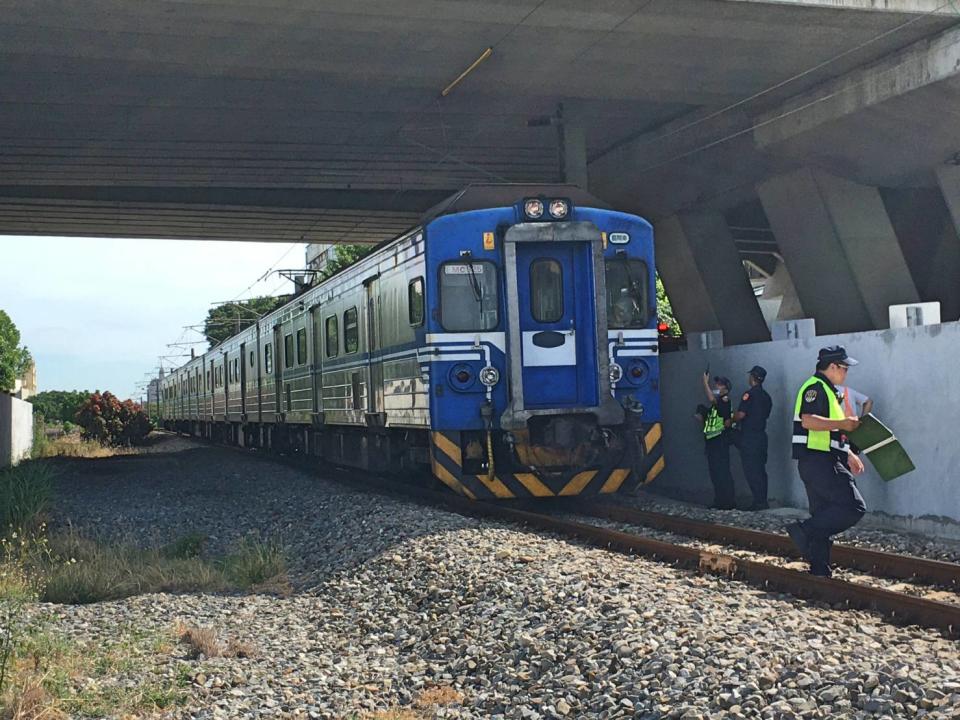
[[575, 407]]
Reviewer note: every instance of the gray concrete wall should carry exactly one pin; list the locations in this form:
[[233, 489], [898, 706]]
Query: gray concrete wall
[[910, 373], [16, 430]]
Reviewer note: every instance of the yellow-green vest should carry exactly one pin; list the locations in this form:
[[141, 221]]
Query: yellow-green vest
[[713, 425], [820, 440]]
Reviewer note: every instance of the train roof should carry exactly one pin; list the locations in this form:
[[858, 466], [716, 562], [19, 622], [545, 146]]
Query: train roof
[[477, 197]]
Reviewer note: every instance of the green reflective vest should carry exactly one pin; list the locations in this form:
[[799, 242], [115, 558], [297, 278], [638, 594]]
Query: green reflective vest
[[713, 425], [821, 440]]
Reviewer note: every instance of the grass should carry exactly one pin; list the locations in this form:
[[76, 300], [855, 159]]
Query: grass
[[55, 678], [73, 446], [205, 641], [25, 494], [89, 571], [424, 705]]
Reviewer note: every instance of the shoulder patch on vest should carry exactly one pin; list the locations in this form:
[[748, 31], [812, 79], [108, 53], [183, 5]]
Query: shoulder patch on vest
[[746, 396], [810, 395]]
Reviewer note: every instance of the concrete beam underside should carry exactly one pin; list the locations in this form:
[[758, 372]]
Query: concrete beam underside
[[699, 262], [840, 249]]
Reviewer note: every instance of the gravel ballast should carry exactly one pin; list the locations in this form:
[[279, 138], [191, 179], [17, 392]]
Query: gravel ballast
[[392, 601]]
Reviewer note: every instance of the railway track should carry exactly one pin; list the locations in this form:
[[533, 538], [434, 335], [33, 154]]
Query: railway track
[[896, 606]]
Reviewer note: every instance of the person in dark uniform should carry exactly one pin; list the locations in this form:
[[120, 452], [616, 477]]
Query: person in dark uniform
[[826, 462], [752, 416], [717, 418]]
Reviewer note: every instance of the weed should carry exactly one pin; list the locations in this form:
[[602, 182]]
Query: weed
[[204, 641], [186, 547], [255, 563], [439, 695], [25, 492]]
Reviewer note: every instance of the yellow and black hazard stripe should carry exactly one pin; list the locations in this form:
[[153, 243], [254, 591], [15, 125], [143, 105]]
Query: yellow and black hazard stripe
[[652, 462], [447, 464]]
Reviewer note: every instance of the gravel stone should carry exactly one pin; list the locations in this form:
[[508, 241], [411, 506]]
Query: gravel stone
[[392, 601]]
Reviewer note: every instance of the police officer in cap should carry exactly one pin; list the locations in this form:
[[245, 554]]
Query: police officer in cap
[[716, 419], [826, 462], [752, 417]]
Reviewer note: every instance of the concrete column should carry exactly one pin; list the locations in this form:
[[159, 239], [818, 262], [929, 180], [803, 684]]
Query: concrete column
[[575, 156], [703, 275], [840, 249], [929, 241]]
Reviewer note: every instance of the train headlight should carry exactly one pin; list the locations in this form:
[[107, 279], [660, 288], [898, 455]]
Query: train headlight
[[533, 208], [489, 376], [559, 209], [616, 373]]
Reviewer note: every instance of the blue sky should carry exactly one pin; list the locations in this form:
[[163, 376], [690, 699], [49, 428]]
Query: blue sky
[[96, 313]]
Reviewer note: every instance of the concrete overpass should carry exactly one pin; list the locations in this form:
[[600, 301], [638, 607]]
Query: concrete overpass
[[742, 128]]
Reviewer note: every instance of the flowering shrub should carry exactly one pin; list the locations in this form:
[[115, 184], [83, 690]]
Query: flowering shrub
[[110, 422]]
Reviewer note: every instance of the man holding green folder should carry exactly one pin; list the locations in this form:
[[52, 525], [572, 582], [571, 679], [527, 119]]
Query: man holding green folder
[[826, 462]]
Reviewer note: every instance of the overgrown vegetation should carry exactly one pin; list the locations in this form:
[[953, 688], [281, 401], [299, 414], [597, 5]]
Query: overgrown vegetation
[[226, 320], [665, 311], [25, 493], [14, 359], [53, 678], [43, 675], [59, 406], [108, 421]]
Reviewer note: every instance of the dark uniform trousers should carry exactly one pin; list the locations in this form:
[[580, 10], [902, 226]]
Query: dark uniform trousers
[[835, 504], [753, 456], [718, 462]]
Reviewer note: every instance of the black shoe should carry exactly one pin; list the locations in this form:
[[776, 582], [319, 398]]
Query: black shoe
[[800, 538], [822, 572]]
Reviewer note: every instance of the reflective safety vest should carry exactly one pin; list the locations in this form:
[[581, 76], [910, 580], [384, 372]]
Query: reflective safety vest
[[713, 426], [821, 440]]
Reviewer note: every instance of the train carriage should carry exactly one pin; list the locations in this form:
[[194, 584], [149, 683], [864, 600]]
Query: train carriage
[[508, 343]]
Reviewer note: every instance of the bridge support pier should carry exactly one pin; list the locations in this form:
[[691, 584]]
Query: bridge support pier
[[698, 261], [840, 249]]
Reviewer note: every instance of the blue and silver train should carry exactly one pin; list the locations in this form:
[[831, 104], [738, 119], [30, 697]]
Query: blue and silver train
[[508, 343]]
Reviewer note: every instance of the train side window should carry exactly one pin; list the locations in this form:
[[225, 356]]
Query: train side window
[[628, 293], [268, 358], [468, 296], [236, 369], [302, 346], [333, 337], [415, 302], [251, 358], [351, 332], [288, 351], [546, 290]]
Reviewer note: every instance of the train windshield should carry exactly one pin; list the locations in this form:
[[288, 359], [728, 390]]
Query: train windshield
[[468, 296], [628, 303]]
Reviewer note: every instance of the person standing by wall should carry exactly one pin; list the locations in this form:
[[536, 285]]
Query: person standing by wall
[[717, 418], [751, 416], [855, 404], [825, 460]]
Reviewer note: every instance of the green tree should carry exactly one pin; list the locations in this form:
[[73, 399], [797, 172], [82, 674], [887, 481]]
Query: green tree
[[14, 360], [665, 310], [59, 405], [226, 320], [344, 255]]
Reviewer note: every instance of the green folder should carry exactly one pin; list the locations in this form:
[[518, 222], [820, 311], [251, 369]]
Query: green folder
[[877, 442]]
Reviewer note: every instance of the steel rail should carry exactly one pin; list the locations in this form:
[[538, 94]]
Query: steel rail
[[899, 607], [875, 562]]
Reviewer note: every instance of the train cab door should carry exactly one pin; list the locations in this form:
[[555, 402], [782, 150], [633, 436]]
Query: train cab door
[[558, 333], [374, 346]]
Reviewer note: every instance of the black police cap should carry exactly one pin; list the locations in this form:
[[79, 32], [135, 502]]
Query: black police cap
[[759, 373], [836, 354]]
